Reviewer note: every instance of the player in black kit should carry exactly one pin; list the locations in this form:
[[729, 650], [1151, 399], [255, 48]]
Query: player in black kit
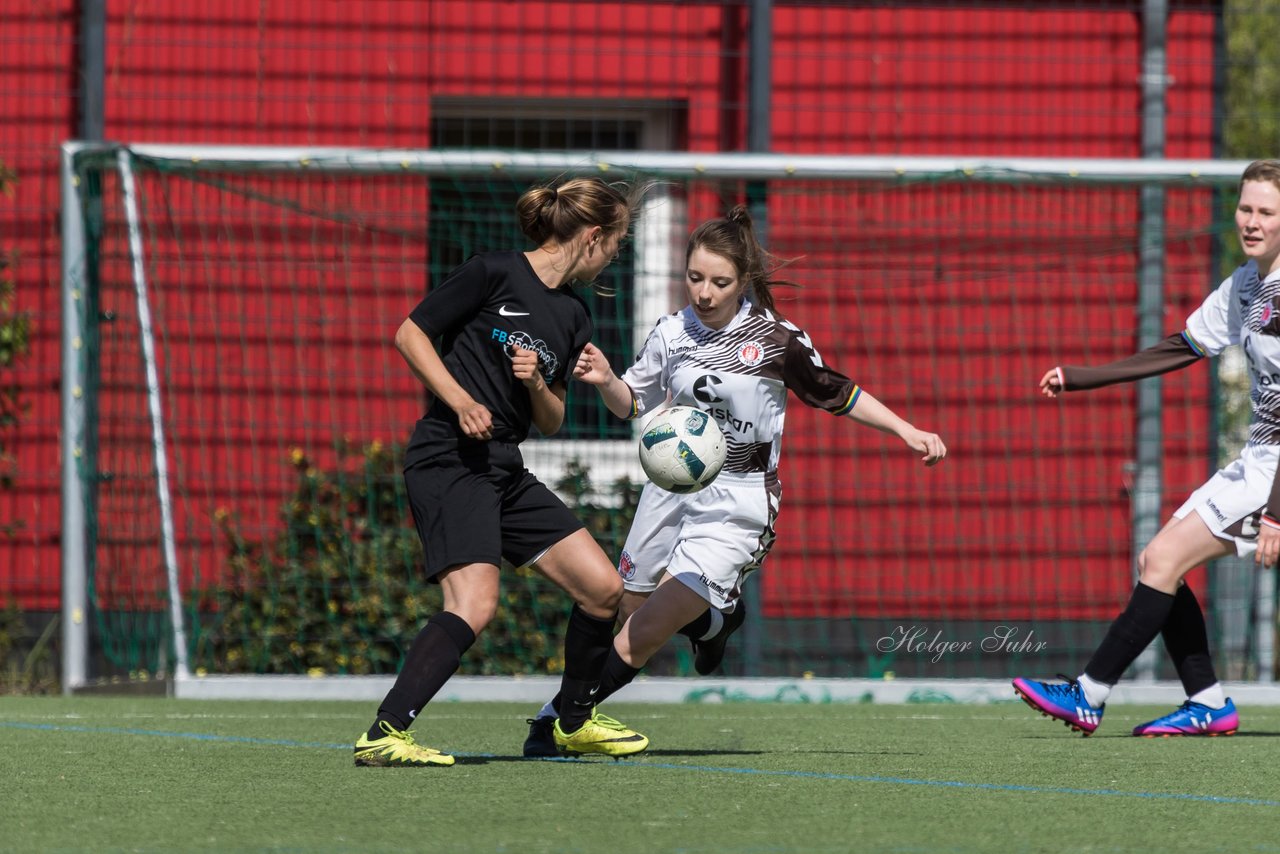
[[495, 344]]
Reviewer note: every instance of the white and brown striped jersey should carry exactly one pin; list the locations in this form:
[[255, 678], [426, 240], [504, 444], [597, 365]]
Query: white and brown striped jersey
[[1245, 310], [740, 376]]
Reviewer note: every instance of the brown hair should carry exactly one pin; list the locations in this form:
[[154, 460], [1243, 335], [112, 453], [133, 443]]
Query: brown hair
[[733, 238], [1262, 170], [561, 211]]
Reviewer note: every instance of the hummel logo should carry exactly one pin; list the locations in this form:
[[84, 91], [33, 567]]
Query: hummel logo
[[506, 313]]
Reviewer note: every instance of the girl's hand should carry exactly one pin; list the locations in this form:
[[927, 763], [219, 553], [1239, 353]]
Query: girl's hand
[[524, 364], [929, 444], [1268, 546], [475, 421], [592, 366], [1051, 383]]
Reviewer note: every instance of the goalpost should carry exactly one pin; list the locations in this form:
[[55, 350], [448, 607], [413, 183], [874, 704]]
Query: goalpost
[[233, 520]]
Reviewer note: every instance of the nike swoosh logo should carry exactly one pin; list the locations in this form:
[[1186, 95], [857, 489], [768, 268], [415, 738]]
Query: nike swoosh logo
[[503, 311]]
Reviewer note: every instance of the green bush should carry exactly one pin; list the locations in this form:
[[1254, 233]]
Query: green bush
[[339, 590], [15, 333], [26, 666]]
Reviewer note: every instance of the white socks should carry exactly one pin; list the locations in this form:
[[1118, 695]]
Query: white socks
[[717, 623], [1211, 696], [1094, 691]]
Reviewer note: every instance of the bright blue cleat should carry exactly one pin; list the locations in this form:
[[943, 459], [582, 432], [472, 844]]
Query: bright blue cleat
[[1193, 719], [1062, 701]]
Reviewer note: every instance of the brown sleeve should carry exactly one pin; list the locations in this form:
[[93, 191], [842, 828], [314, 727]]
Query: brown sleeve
[[1174, 352]]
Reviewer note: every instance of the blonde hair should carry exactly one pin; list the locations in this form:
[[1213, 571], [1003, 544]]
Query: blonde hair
[[561, 211], [1262, 170]]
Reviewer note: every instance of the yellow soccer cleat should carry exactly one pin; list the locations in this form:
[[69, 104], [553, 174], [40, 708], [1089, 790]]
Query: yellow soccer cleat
[[396, 749], [600, 734]]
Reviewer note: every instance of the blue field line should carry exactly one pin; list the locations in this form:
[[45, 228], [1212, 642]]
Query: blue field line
[[192, 736], [803, 775]]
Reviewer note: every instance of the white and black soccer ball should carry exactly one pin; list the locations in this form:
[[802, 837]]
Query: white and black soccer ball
[[682, 449]]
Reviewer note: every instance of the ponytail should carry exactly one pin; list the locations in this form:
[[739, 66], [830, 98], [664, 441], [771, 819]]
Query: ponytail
[[559, 212]]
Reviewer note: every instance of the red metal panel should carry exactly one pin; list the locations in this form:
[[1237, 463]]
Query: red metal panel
[[923, 79], [954, 332], [1055, 81], [1061, 82], [38, 105]]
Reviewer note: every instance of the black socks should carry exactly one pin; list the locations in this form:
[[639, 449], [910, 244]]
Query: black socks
[[1136, 627], [697, 627], [1187, 640], [587, 642], [616, 676], [433, 657]]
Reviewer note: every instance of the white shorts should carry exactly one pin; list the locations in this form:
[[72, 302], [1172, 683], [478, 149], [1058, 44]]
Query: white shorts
[[1231, 502], [708, 541]]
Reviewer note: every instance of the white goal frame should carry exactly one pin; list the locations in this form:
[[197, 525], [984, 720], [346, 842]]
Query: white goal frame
[[653, 298]]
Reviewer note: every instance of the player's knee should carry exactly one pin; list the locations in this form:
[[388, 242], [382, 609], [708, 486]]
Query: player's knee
[[602, 600], [476, 607], [477, 614], [626, 607], [1160, 568], [612, 599]]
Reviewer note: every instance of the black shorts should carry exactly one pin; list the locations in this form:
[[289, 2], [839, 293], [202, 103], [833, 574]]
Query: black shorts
[[482, 506]]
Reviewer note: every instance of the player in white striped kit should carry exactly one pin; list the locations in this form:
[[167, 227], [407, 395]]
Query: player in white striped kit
[[730, 354], [1237, 511]]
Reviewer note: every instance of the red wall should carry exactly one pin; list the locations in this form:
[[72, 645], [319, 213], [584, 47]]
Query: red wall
[[38, 106], [1030, 511]]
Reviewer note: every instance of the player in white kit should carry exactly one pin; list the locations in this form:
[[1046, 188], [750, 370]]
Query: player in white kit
[[1237, 511], [732, 355]]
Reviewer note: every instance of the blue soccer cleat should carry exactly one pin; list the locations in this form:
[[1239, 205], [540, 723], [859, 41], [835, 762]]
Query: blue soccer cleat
[[1062, 701], [1193, 719]]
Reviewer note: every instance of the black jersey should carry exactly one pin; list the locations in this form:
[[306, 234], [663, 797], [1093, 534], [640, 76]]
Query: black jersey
[[476, 317]]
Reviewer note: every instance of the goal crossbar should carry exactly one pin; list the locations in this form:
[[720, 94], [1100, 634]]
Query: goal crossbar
[[743, 166]]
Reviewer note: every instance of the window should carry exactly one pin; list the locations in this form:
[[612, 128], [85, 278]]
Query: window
[[470, 215]]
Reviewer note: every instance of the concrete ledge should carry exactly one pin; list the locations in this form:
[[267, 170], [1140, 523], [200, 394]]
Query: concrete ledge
[[538, 689]]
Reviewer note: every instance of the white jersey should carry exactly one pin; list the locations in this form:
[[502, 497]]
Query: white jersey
[[740, 376], [1245, 310]]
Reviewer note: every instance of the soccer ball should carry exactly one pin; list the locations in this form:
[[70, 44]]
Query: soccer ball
[[682, 449]]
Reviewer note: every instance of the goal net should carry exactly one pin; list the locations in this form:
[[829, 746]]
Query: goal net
[[236, 411]]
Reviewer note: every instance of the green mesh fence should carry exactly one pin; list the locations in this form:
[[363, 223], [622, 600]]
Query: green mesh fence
[[276, 296]]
